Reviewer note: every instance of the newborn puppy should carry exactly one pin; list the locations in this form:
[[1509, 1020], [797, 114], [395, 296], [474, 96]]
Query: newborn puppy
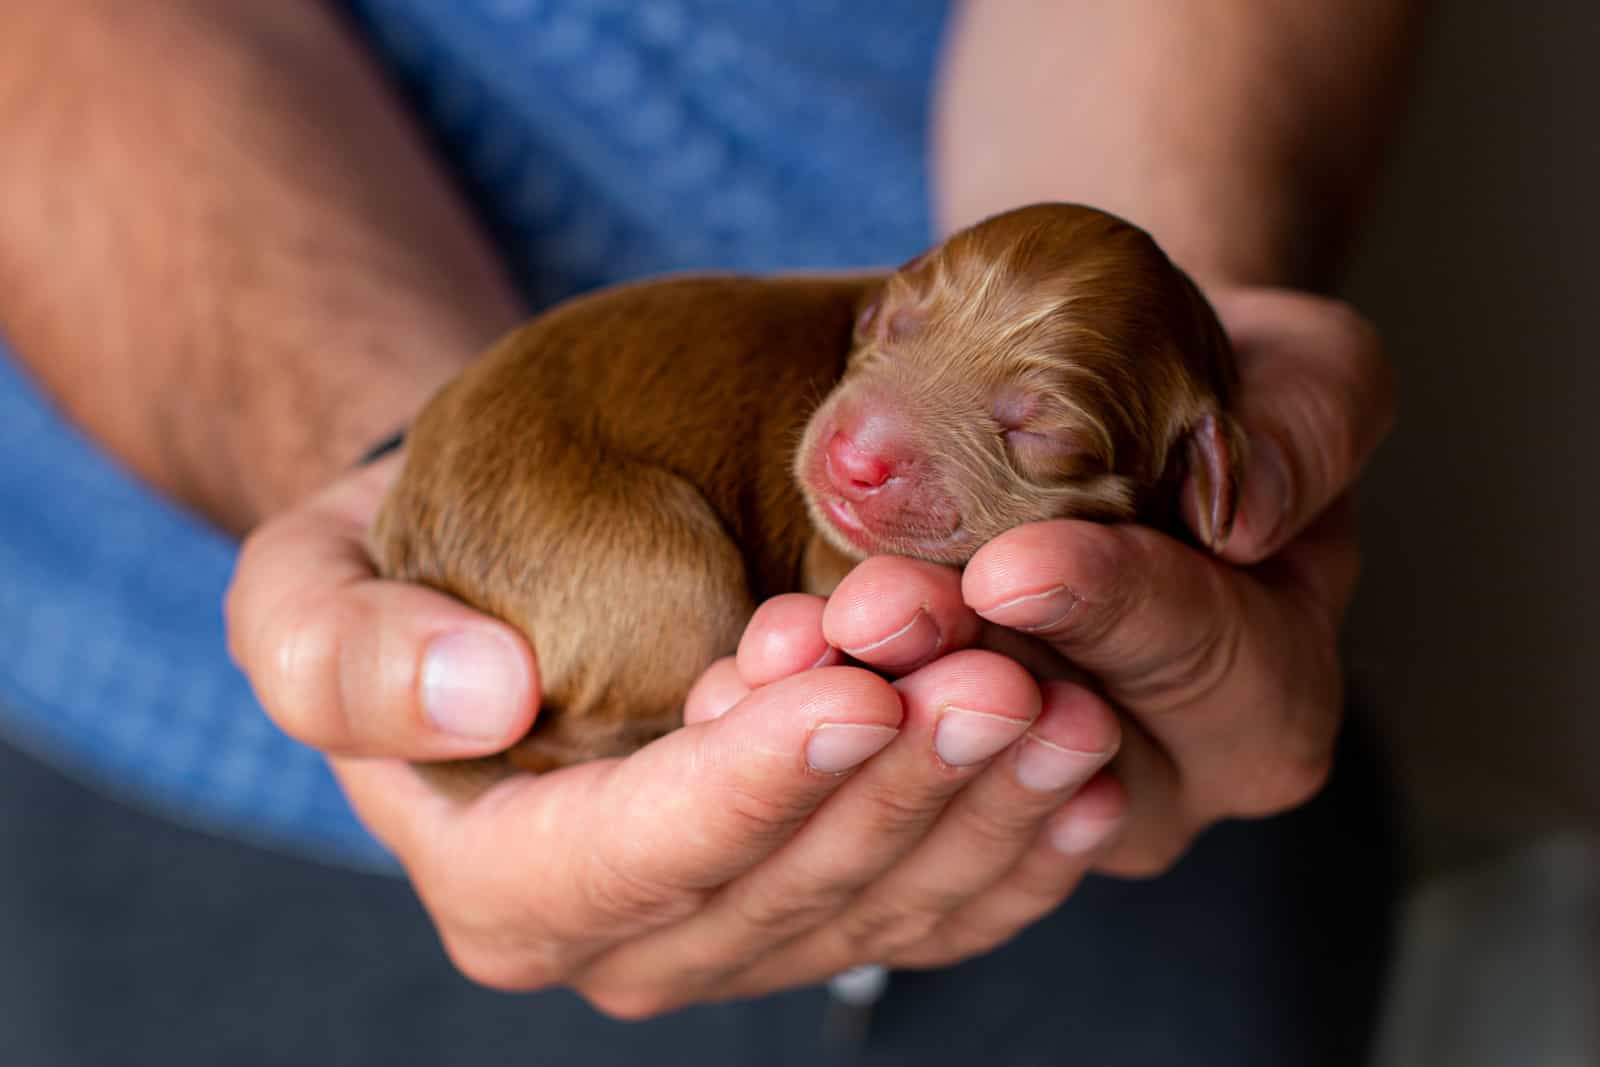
[[625, 476]]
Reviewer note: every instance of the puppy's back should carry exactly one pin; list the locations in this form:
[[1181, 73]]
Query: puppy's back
[[590, 479]]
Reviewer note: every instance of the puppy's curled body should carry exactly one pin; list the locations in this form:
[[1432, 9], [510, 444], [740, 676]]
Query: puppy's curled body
[[623, 477], [613, 479]]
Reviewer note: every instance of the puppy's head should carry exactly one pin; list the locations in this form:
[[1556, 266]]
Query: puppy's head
[[1047, 363]]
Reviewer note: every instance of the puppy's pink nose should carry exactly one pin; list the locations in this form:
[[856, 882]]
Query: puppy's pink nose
[[854, 471]]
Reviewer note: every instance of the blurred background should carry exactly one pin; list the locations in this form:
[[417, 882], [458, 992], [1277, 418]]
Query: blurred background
[[1476, 636]]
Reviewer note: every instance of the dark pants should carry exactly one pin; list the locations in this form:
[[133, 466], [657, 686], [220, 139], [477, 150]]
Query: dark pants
[[125, 940]]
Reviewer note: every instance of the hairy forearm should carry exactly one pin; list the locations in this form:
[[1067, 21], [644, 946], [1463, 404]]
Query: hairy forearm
[[1245, 134], [223, 249]]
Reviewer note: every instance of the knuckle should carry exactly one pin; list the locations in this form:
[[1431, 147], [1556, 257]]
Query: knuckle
[[1324, 448], [499, 941], [925, 956], [1364, 344], [901, 812], [497, 970], [245, 592], [629, 1005], [301, 682], [1283, 784], [703, 972], [1202, 666], [1100, 556], [1361, 334], [897, 816], [887, 927], [1112, 578], [1144, 857], [619, 895], [995, 827], [1339, 443], [778, 913], [1373, 385], [962, 937], [1343, 447], [758, 816], [1139, 865]]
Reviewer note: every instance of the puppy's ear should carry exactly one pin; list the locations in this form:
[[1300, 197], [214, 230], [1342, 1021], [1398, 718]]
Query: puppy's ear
[[867, 313], [894, 309], [1214, 457], [891, 311]]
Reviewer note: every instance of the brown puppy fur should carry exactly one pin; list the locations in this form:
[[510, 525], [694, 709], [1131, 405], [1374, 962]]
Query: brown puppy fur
[[624, 477]]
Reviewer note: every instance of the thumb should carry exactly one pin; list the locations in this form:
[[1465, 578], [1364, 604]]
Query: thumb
[[355, 665], [1316, 398]]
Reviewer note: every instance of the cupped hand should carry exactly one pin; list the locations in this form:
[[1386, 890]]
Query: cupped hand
[[1227, 671], [810, 816]]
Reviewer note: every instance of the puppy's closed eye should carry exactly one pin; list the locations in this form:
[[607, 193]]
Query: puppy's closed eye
[[1047, 453], [736, 438], [1043, 445]]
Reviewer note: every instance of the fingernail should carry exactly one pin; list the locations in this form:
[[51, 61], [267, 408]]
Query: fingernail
[[473, 684], [837, 747], [1047, 768], [1266, 488], [912, 643], [964, 737], [1034, 612], [1078, 834]]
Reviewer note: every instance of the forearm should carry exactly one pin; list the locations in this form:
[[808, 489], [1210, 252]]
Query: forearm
[[224, 251], [1244, 135]]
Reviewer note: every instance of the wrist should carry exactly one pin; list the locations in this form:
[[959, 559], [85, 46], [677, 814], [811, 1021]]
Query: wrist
[[337, 425]]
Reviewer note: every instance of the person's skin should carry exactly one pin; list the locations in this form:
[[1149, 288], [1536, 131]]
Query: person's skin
[[273, 258], [1246, 137], [225, 250]]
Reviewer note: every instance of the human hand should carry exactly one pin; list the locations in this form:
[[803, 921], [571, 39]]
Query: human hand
[[1227, 672], [777, 874], [804, 821]]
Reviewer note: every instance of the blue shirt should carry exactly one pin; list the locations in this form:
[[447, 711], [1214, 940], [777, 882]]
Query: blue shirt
[[601, 140]]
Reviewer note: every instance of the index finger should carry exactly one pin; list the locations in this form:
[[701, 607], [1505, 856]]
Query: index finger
[[1228, 673]]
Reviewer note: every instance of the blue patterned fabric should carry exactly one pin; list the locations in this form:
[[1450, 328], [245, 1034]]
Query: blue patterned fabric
[[607, 139], [602, 140]]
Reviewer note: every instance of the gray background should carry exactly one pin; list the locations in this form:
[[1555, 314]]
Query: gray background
[[1476, 630], [1475, 635]]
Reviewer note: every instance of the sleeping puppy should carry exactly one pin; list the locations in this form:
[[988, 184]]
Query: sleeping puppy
[[624, 477]]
